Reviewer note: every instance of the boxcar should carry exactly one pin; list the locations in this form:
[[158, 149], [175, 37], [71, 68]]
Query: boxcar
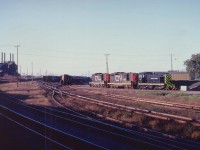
[[51, 78], [69, 80], [66, 79], [80, 79]]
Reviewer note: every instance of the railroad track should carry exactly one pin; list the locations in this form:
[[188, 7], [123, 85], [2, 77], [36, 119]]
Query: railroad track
[[136, 99], [163, 116], [60, 137], [157, 138]]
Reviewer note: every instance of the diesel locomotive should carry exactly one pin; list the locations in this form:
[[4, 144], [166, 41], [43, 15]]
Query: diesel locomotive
[[143, 80]]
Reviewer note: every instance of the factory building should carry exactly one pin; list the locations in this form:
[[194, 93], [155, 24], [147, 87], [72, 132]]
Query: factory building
[[8, 67]]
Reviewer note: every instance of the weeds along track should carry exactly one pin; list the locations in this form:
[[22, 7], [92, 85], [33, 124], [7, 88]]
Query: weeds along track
[[153, 139], [99, 132], [155, 114], [145, 112], [136, 99], [43, 120]]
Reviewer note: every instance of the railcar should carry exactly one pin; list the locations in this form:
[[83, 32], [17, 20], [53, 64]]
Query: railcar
[[51, 78], [66, 79], [80, 80], [69, 80]]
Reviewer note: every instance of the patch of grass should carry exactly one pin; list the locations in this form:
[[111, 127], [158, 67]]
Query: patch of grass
[[154, 124], [195, 135]]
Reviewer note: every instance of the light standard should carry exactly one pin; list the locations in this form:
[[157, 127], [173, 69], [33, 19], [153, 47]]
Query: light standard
[[32, 72], [17, 46], [107, 69]]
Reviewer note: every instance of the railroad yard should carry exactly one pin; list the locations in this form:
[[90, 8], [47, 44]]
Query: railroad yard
[[100, 75], [39, 115]]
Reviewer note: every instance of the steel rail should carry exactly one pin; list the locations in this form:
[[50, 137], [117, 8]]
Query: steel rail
[[61, 146], [113, 95], [125, 134], [59, 135], [150, 101], [119, 135], [146, 112], [150, 142], [153, 134], [125, 138], [186, 140]]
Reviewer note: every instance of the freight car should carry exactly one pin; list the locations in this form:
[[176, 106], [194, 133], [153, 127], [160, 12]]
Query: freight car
[[69, 80], [66, 79], [51, 78], [80, 80]]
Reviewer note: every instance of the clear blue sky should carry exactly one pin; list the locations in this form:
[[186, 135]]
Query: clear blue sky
[[72, 36]]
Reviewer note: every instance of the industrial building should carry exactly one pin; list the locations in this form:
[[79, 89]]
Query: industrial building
[[7, 67]]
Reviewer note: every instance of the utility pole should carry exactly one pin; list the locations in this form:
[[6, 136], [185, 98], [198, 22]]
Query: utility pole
[[17, 46], [32, 72], [171, 63], [20, 69], [46, 75], [107, 69]]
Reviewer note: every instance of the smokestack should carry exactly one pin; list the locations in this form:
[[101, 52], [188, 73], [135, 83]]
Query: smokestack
[[1, 57], [10, 56], [4, 57]]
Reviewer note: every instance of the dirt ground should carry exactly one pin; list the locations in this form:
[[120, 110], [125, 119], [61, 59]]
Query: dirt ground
[[30, 92], [171, 127]]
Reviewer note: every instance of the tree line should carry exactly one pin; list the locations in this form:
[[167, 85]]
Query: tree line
[[193, 66]]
